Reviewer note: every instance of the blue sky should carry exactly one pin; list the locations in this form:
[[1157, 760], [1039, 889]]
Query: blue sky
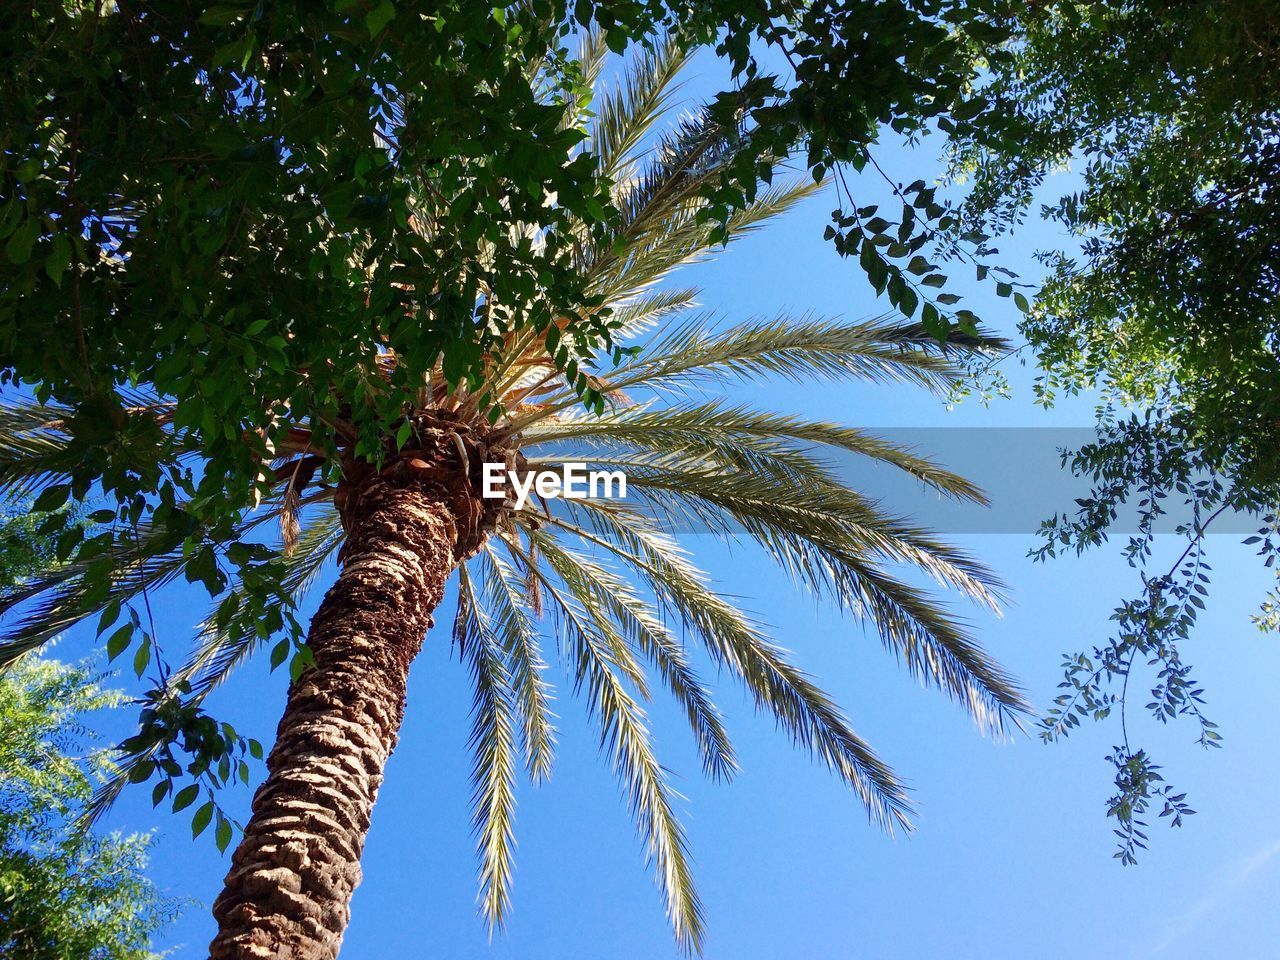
[[1012, 856]]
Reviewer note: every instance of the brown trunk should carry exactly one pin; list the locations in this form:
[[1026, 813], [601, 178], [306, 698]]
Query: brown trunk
[[288, 892]]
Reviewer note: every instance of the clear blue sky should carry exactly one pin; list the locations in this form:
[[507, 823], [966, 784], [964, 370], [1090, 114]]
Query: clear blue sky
[[1012, 857]]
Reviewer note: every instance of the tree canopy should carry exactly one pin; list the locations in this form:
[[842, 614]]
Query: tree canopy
[[236, 205], [604, 578], [1174, 110], [65, 894], [1170, 310], [217, 219]]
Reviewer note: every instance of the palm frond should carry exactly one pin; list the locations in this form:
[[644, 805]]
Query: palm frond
[[641, 312], [60, 599], [829, 541], [625, 738], [815, 507], [513, 621], [658, 242], [493, 748], [220, 651], [880, 350], [806, 712], [593, 54], [627, 112], [721, 428], [34, 445], [593, 584], [142, 560]]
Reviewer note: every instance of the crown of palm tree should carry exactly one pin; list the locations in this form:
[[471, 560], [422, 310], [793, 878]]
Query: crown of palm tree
[[618, 589]]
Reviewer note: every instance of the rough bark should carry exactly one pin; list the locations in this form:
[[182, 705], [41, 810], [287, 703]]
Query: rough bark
[[289, 888]]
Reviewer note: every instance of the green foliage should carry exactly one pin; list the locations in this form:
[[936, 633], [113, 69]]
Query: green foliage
[[604, 579], [65, 894], [23, 551], [1175, 110], [230, 211], [232, 214], [1171, 309]]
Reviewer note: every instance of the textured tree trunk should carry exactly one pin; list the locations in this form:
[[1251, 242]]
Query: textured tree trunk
[[288, 892]]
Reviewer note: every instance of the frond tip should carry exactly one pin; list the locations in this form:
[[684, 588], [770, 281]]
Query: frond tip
[[626, 740], [494, 750]]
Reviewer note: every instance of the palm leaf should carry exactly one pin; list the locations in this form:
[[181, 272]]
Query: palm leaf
[[518, 634], [881, 350], [59, 598], [805, 711], [721, 429], [830, 545], [630, 108], [659, 241], [592, 584], [34, 446], [625, 738], [220, 651], [493, 749]]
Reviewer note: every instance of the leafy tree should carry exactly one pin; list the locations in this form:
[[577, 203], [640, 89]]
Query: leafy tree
[[1170, 310], [23, 551], [236, 206], [402, 510], [65, 894]]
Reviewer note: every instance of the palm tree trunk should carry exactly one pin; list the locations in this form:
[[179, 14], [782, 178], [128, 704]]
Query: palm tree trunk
[[288, 892]]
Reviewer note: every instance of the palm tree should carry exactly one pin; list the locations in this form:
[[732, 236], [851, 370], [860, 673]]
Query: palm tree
[[604, 576]]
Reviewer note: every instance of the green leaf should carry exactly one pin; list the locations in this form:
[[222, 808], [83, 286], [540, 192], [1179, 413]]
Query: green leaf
[[222, 16], [379, 17], [301, 660], [201, 819], [59, 258], [186, 796], [236, 51], [934, 322], [969, 109], [908, 301], [110, 614], [222, 836], [203, 566], [51, 498], [18, 249], [142, 659], [118, 642]]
